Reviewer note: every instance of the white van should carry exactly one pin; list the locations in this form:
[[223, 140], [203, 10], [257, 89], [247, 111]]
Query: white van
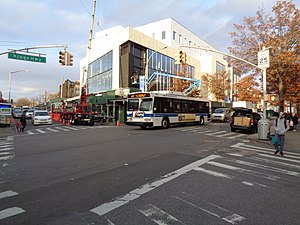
[[221, 114], [25, 108]]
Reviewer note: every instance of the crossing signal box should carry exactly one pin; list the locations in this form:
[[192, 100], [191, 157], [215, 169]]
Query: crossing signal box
[[69, 59], [62, 58]]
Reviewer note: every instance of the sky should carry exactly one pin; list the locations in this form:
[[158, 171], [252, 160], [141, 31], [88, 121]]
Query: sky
[[29, 23]]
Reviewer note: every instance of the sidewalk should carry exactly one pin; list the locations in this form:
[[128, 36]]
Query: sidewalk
[[292, 141]]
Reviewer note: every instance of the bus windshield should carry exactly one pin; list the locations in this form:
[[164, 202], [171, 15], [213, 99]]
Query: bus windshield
[[133, 104], [146, 104]]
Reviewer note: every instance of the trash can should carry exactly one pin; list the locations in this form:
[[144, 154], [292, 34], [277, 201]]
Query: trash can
[[263, 129]]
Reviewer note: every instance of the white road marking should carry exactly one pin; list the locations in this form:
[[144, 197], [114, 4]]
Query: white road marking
[[238, 169], [236, 136], [60, 128], [235, 154], [29, 132], [41, 131], [10, 212], [231, 218], [136, 193], [282, 159], [224, 135], [270, 168], [7, 157], [50, 129], [7, 194], [213, 173], [215, 134], [6, 149], [248, 183], [159, 216], [71, 128], [205, 131]]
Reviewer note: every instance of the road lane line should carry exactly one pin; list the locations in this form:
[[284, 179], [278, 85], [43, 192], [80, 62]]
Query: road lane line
[[158, 215], [275, 162], [71, 128], [213, 173], [6, 149], [136, 193], [7, 194], [10, 212]]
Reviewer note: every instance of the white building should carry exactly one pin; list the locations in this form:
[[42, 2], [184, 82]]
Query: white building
[[121, 56]]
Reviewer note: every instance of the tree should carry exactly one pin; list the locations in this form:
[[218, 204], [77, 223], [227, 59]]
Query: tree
[[22, 101], [217, 84], [248, 89], [281, 32]]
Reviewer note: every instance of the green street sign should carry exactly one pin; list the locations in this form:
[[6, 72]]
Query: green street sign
[[31, 58]]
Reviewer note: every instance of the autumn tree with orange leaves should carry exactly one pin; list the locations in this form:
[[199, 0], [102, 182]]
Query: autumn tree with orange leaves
[[279, 30]]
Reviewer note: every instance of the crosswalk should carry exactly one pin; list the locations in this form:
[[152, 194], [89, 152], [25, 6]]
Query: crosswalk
[[260, 171], [7, 148], [211, 132], [12, 211], [57, 129]]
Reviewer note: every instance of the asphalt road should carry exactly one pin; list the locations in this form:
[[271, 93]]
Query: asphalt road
[[190, 175]]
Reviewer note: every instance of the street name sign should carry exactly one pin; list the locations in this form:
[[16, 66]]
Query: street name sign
[[31, 58]]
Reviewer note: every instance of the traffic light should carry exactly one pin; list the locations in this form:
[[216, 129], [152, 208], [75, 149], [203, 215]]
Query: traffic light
[[62, 58], [69, 59], [182, 57]]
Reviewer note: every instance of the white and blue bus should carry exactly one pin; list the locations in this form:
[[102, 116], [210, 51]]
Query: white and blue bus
[[152, 109]]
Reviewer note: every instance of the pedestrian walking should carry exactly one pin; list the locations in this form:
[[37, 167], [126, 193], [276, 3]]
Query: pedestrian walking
[[282, 126], [18, 125], [23, 122], [295, 121]]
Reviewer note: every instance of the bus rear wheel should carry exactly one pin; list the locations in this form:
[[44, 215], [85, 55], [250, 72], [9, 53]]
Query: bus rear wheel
[[201, 120], [165, 123]]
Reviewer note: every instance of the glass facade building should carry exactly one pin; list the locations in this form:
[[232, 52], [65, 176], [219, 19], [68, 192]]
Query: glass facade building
[[100, 74]]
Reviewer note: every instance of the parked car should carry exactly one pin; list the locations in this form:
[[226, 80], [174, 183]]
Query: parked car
[[244, 119], [221, 114], [41, 117], [17, 112]]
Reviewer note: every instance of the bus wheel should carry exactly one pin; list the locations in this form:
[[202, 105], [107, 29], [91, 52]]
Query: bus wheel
[[143, 127], [201, 120], [165, 123]]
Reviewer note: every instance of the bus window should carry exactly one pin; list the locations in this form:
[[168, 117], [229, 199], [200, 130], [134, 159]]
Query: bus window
[[146, 104], [177, 105], [133, 104]]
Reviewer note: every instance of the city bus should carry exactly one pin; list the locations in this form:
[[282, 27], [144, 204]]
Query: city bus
[[152, 109]]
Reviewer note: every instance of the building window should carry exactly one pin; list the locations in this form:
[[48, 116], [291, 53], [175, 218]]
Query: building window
[[220, 68], [100, 74], [180, 38], [174, 35], [190, 43], [163, 35]]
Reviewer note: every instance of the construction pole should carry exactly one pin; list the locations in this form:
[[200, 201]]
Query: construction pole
[[85, 72]]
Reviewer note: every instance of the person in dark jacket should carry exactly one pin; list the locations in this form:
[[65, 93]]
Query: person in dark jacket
[[23, 122], [282, 126], [295, 121]]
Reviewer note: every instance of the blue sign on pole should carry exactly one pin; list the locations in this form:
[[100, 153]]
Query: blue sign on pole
[[142, 83]]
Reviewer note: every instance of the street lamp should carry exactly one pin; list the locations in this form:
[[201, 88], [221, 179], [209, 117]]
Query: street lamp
[[9, 80], [148, 60]]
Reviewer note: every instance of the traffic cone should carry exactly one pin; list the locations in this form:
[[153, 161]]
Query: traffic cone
[[68, 122]]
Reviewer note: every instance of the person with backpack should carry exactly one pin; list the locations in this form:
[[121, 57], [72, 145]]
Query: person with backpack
[[281, 127]]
